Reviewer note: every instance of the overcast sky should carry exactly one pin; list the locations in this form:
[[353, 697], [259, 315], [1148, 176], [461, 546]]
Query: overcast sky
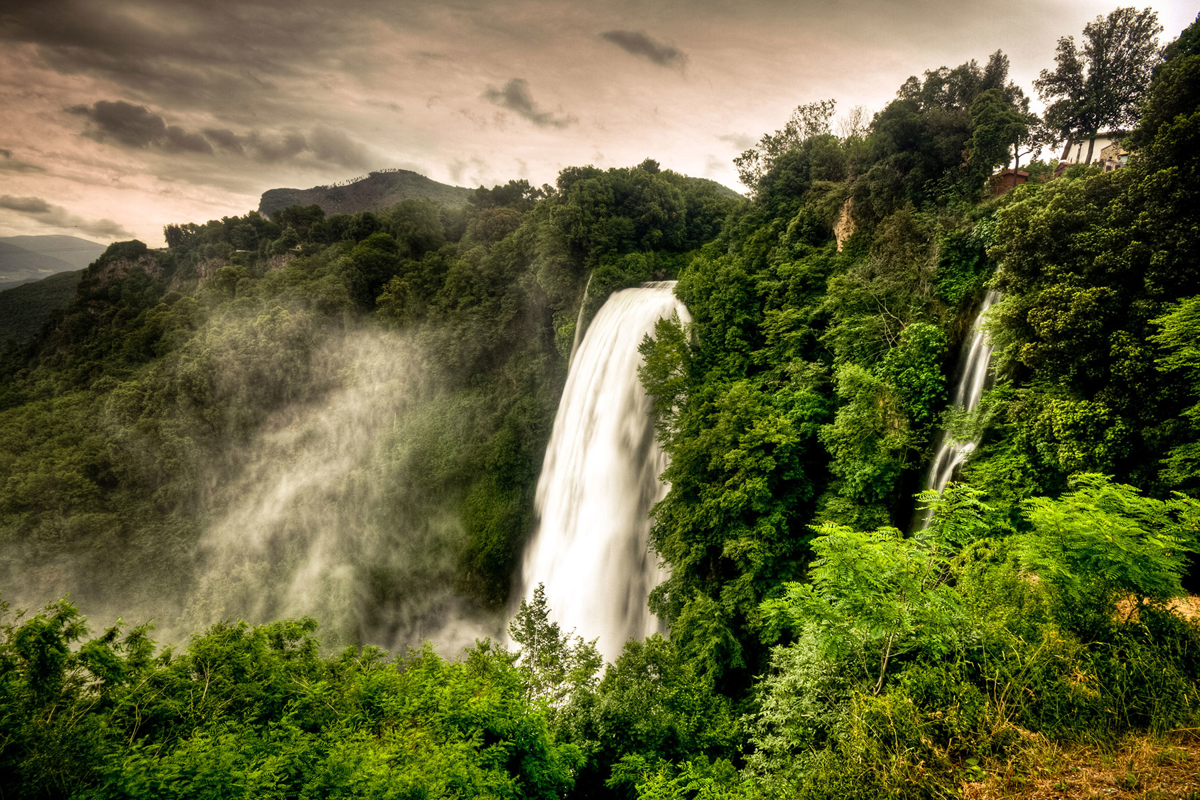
[[123, 115]]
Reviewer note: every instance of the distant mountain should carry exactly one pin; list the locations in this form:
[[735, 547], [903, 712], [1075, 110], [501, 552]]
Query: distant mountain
[[18, 265], [25, 309], [71, 249], [25, 259], [374, 192]]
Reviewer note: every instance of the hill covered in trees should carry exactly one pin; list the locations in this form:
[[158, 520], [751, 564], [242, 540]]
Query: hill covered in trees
[[374, 192], [182, 441]]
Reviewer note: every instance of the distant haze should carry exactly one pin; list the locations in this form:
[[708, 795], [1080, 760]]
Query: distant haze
[[123, 116], [24, 259]]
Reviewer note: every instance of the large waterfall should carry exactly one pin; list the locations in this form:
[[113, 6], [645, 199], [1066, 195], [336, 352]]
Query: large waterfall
[[600, 479], [951, 453]]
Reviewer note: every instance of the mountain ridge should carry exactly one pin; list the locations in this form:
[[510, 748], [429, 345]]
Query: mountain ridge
[[74, 250]]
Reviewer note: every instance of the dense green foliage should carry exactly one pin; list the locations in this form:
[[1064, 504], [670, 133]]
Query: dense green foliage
[[821, 645], [900, 658], [244, 712], [1094, 332]]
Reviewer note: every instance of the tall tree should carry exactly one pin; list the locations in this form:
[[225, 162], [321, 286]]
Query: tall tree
[[1100, 85], [808, 120]]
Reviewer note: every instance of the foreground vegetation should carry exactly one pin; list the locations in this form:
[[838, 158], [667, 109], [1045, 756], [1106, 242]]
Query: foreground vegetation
[[816, 650], [905, 666]]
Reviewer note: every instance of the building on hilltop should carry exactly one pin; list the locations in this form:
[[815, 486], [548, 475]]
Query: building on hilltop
[[1113, 157], [1107, 152]]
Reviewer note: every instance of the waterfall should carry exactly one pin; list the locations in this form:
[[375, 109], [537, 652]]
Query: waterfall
[[600, 479], [968, 389]]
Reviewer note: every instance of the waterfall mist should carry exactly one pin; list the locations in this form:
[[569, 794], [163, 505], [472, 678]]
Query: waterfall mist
[[316, 500], [318, 521], [600, 479]]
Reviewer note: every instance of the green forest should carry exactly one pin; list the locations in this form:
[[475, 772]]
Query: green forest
[[821, 644]]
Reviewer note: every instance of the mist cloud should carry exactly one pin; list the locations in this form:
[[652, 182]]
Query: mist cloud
[[58, 217], [516, 98], [639, 44], [319, 506]]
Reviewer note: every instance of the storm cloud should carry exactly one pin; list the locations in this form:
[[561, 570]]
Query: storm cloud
[[135, 126], [641, 45], [185, 53], [58, 217], [327, 145], [205, 105], [516, 98]]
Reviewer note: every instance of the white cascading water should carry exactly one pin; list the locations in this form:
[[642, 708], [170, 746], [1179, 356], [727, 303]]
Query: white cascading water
[[600, 479], [950, 452]]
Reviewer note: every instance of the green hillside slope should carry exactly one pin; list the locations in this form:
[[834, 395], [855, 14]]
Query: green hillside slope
[[25, 309]]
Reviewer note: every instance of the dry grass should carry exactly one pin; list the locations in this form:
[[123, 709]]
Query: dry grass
[[1140, 767], [1186, 607]]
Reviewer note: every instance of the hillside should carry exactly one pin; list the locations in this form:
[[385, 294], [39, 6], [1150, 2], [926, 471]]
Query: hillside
[[25, 309], [377, 191]]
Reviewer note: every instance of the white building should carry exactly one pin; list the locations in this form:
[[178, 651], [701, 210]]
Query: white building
[[1106, 152]]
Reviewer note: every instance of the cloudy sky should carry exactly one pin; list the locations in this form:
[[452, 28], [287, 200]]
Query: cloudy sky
[[123, 115]]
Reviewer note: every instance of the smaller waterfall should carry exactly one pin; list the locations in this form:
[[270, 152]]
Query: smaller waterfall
[[579, 320], [971, 382], [600, 479]]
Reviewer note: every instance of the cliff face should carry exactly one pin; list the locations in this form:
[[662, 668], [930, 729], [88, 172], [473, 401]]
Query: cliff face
[[377, 191]]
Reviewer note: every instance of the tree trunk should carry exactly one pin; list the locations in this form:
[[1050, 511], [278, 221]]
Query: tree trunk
[[1091, 144]]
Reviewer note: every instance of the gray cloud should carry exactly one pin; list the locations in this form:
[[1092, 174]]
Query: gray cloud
[[335, 147], [59, 217], [10, 163], [516, 98], [136, 126], [225, 139], [25, 205], [641, 45], [739, 140], [210, 54], [274, 147], [328, 145]]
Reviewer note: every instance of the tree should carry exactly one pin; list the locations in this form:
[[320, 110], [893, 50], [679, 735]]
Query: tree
[[556, 667], [1101, 85], [996, 128], [808, 120]]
